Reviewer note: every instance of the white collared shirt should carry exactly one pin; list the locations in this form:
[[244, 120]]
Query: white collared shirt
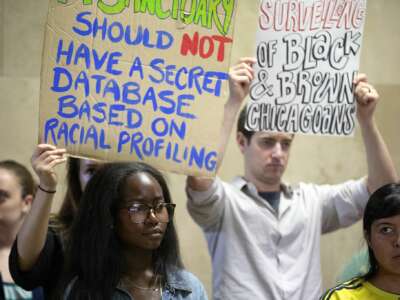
[[258, 253]]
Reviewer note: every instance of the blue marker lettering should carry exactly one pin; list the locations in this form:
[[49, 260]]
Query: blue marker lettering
[[101, 27], [113, 89], [154, 65], [138, 37], [98, 78], [148, 146], [146, 39], [114, 114], [84, 110], [158, 146], [91, 134], [49, 126], [134, 118], [194, 75], [150, 96], [83, 80], [123, 139], [63, 133], [164, 40], [72, 130], [196, 157], [59, 73], [102, 141], [67, 53], [83, 52], [99, 61], [119, 32], [182, 102], [165, 97], [137, 137], [99, 107], [137, 67], [113, 60], [66, 107], [81, 18], [131, 89], [159, 126], [179, 85], [211, 161]]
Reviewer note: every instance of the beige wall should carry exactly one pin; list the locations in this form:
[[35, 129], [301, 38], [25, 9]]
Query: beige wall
[[314, 159]]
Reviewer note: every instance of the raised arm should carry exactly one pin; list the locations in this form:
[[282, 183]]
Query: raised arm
[[240, 77], [32, 235], [381, 169]]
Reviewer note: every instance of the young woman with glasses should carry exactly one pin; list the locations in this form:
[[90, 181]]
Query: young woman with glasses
[[38, 255], [123, 243], [382, 233]]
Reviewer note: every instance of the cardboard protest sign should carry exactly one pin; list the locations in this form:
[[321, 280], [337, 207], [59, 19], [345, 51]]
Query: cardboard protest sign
[[137, 80], [308, 53]]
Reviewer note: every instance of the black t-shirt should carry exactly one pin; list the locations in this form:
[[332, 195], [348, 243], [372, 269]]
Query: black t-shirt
[[37, 294], [2, 297], [46, 273], [273, 198]]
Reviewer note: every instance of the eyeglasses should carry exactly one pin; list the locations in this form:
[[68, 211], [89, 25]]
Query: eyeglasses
[[139, 212]]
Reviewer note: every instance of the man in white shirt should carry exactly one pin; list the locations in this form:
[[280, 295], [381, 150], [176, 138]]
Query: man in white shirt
[[264, 236]]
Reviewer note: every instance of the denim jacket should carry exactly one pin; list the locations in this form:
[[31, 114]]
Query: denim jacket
[[181, 285]]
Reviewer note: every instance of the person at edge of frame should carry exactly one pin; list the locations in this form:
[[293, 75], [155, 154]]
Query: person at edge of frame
[[17, 190], [264, 235], [381, 224]]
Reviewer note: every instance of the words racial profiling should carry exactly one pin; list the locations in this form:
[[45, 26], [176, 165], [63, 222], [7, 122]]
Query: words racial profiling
[[120, 103]]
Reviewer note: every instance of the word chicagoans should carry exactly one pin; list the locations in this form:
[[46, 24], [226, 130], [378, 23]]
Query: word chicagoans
[[334, 120]]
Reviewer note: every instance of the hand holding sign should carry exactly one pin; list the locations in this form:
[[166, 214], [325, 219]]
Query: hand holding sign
[[240, 77], [367, 98], [44, 159]]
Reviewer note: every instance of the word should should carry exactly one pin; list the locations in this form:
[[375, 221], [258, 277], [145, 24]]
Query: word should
[[116, 32]]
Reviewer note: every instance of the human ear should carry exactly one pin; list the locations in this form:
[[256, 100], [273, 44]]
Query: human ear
[[27, 203], [241, 141]]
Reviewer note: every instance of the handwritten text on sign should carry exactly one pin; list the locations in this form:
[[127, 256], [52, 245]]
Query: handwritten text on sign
[[118, 87], [308, 53]]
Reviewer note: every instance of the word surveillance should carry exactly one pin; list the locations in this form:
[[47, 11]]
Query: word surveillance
[[302, 15], [204, 12]]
